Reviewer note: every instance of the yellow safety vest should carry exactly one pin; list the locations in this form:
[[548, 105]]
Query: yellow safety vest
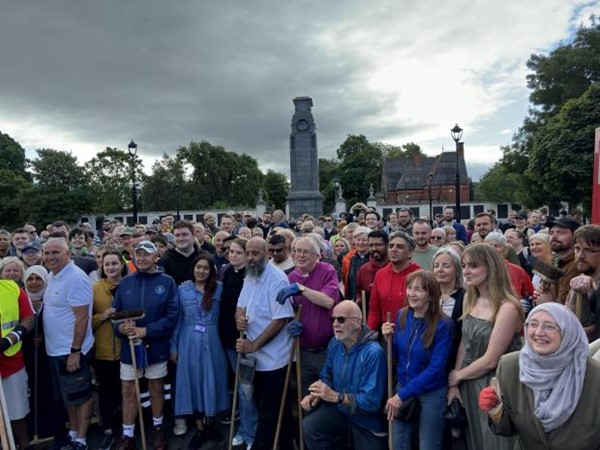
[[9, 312]]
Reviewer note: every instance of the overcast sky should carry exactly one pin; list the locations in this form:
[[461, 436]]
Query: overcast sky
[[85, 75]]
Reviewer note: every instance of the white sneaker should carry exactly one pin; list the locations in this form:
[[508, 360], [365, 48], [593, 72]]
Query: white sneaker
[[180, 427], [237, 440]]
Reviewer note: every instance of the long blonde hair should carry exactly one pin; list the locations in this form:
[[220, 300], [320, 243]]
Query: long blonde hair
[[499, 286]]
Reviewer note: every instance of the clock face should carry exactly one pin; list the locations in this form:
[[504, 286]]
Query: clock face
[[302, 125]]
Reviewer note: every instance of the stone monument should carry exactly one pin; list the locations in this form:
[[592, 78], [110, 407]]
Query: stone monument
[[304, 194]]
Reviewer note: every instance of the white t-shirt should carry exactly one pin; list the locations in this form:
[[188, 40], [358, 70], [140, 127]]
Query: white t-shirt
[[68, 288], [258, 297]]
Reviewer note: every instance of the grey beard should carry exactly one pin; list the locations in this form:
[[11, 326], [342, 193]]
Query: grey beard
[[255, 270]]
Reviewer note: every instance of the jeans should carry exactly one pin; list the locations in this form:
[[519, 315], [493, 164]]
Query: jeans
[[430, 424], [246, 406]]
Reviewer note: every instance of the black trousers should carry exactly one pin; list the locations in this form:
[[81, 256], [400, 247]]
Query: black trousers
[[109, 393]]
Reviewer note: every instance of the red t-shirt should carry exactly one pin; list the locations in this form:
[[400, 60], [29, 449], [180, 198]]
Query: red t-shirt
[[10, 365]]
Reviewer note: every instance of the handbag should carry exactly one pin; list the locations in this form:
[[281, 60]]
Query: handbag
[[409, 411], [455, 414]]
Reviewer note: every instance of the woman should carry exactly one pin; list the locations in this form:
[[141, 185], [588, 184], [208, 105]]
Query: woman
[[96, 275], [12, 268], [233, 280], [196, 348], [539, 247], [422, 339], [4, 243], [341, 247], [108, 349], [550, 389], [492, 320]]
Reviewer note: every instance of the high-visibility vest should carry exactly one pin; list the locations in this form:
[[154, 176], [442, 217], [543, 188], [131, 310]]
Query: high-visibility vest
[[9, 312]]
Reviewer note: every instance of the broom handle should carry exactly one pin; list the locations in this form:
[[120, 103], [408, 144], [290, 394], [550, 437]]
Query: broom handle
[[299, 385], [363, 305], [137, 393], [579, 306], [235, 391], [6, 436], [389, 382]]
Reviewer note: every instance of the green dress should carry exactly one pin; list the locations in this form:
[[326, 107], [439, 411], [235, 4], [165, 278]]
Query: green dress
[[475, 337]]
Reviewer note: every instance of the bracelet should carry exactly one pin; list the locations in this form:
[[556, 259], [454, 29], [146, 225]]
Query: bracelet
[[75, 350]]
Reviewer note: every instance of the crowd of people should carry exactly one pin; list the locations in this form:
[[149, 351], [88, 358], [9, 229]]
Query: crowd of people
[[406, 333]]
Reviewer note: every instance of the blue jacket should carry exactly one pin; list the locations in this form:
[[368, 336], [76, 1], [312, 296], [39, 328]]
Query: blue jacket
[[157, 295], [461, 231], [421, 370], [361, 374]]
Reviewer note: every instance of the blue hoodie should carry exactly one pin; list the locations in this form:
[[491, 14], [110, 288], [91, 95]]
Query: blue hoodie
[[157, 295], [360, 373]]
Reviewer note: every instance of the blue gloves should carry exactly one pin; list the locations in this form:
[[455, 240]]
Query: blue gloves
[[295, 328], [286, 292]]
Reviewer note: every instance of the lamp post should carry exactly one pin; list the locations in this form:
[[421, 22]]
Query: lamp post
[[456, 134], [430, 176], [132, 147]]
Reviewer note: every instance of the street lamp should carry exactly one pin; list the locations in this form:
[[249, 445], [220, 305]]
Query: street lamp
[[457, 133], [132, 147], [430, 176]]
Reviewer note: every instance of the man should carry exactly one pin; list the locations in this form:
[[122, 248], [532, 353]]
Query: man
[[389, 286], [510, 222], [121, 239], [372, 220], [534, 220], [278, 216], [177, 262], [424, 251], [461, 232], [220, 255], [484, 224], [68, 337], [166, 223], [77, 240], [210, 223], [521, 225], [19, 237], [354, 260], [227, 223], [587, 257], [405, 218], [378, 259], [17, 319], [33, 234], [352, 388], [156, 293], [562, 242], [262, 318], [438, 237], [279, 251], [200, 235], [266, 224], [32, 254], [329, 230], [314, 285]]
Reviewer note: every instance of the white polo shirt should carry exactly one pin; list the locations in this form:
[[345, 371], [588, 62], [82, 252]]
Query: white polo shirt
[[68, 288]]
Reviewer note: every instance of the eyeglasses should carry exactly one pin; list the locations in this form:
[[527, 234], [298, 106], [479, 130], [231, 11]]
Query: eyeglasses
[[340, 319], [548, 327], [328, 220], [586, 250], [437, 238], [304, 252]]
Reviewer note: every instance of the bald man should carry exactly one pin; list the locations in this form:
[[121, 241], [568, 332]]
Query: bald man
[[349, 395]]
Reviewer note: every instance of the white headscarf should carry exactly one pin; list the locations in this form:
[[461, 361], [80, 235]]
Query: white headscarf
[[41, 272], [556, 379]]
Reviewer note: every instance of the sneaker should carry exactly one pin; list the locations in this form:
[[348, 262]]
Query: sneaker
[[66, 443], [249, 447], [237, 440], [125, 443], [79, 446], [107, 442], [227, 420], [159, 442], [200, 437], [180, 427]]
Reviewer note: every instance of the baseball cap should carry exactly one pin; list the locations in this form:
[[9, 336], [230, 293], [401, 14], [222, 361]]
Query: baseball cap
[[35, 246], [521, 215], [148, 246], [562, 222]]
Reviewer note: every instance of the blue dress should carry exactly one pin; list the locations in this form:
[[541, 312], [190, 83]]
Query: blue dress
[[201, 361]]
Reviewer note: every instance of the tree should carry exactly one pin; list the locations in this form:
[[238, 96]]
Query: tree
[[328, 173], [167, 186], [12, 186], [360, 166], [109, 175], [498, 185], [12, 156], [275, 187], [60, 189]]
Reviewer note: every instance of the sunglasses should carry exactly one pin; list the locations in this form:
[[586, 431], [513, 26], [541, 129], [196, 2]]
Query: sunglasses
[[340, 319]]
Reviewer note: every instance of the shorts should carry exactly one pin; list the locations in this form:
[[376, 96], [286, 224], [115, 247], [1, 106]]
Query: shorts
[[16, 393], [74, 388], [152, 372]]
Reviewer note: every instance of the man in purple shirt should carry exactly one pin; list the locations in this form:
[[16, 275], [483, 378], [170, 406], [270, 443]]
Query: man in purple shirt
[[314, 285]]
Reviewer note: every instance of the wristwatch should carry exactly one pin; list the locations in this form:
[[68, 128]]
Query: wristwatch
[[75, 350], [340, 397]]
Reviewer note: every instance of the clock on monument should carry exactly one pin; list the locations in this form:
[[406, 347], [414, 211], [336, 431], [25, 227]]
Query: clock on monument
[[302, 125]]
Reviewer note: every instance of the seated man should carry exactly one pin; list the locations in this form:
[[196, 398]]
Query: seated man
[[339, 401]]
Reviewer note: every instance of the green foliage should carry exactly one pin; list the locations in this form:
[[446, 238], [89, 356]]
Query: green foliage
[[497, 185], [12, 156], [60, 189], [12, 185], [328, 171], [359, 167], [109, 176], [275, 187], [166, 186]]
